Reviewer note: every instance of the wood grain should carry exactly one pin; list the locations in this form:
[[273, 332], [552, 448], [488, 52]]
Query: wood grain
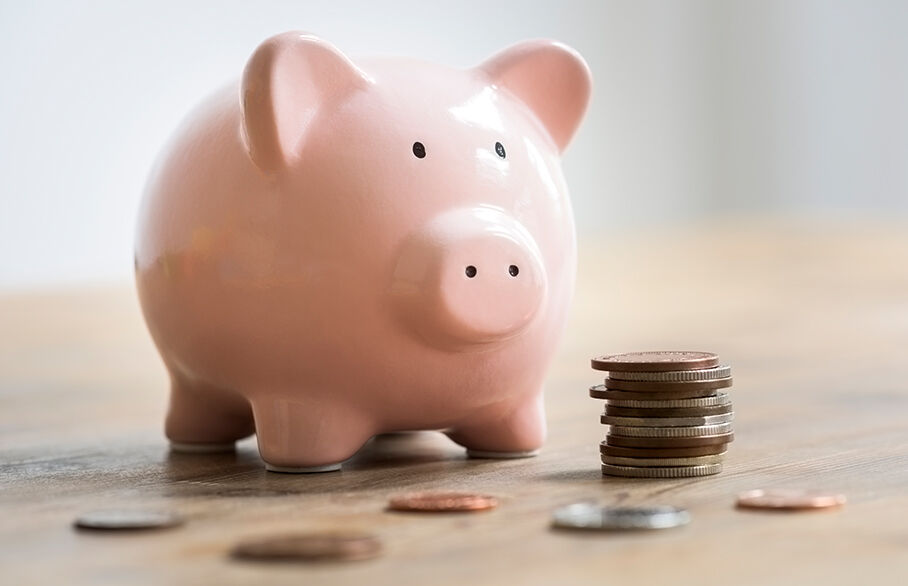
[[813, 317]]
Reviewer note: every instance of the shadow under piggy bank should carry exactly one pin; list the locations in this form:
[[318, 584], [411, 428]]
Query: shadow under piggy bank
[[403, 459]]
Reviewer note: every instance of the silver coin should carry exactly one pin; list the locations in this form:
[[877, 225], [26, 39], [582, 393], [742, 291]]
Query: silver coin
[[674, 376], [595, 517], [662, 462], [127, 520], [668, 432], [666, 472], [667, 421], [717, 399]]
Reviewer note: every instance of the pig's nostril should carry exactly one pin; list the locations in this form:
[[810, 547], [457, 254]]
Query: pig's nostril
[[470, 271], [513, 270]]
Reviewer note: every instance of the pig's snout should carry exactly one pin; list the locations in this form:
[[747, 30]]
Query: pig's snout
[[488, 287], [470, 277]]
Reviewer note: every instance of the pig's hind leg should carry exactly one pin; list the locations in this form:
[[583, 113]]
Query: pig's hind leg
[[203, 419], [505, 433], [300, 437]]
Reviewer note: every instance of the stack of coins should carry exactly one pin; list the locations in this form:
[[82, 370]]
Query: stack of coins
[[666, 414]]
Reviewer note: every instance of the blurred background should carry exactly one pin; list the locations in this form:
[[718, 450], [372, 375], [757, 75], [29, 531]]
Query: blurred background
[[702, 109]]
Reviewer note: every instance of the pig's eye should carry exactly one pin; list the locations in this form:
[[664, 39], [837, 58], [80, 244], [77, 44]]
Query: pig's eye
[[419, 150], [499, 149]]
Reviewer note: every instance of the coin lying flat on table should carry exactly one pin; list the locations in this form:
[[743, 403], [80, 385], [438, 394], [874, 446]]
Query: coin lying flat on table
[[310, 547], [662, 462], [655, 361], [442, 502], [789, 499], [650, 387], [667, 472], [615, 396], [595, 517], [668, 442], [666, 421], [673, 376], [691, 452], [612, 411], [127, 520]]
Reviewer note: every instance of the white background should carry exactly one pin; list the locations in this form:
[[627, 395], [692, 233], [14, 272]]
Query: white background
[[702, 109]]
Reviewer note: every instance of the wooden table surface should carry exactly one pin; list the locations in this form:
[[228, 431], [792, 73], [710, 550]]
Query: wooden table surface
[[813, 317]]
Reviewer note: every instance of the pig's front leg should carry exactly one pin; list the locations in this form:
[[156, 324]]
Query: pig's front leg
[[205, 419], [508, 433], [308, 436]]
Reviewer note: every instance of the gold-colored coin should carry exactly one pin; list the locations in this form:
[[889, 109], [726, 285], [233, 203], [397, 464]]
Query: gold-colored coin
[[663, 462]]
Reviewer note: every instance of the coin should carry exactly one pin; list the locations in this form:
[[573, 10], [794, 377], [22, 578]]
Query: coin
[[442, 502], [127, 520], [613, 450], [663, 462], [672, 472], [655, 361], [648, 387], [668, 442], [666, 421], [600, 392], [694, 431], [612, 411], [673, 375], [310, 547], [628, 400], [595, 517], [789, 499]]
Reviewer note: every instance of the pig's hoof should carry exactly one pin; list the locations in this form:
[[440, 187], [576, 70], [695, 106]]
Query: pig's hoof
[[501, 455], [190, 448], [302, 469]]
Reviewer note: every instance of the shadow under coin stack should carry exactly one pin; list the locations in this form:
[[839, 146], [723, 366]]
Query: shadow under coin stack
[[666, 414]]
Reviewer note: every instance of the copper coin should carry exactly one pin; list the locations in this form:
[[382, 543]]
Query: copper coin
[[655, 361], [127, 520], [660, 412], [789, 499], [669, 442], [647, 387], [600, 392], [312, 547], [623, 452], [442, 502]]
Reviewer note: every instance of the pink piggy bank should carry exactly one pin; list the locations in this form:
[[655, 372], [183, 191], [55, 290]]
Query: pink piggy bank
[[338, 250]]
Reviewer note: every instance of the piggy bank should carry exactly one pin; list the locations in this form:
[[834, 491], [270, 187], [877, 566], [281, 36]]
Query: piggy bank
[[332, 250]]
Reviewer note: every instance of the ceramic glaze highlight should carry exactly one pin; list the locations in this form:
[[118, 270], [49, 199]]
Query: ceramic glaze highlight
[[311, 274]]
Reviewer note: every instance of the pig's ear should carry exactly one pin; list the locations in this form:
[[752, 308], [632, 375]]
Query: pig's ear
[[287, 80], [552, 79]]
